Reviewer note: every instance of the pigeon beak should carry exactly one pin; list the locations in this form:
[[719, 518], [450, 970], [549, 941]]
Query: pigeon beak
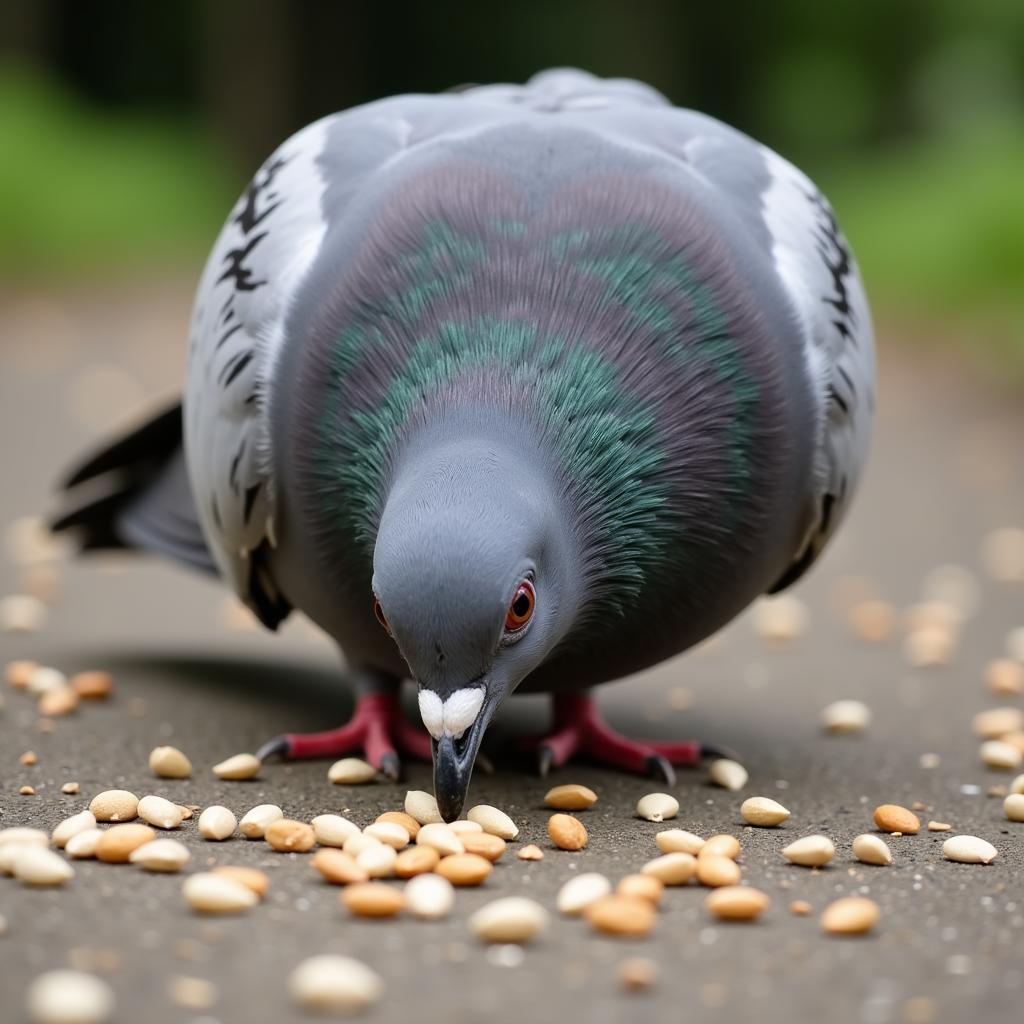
[[454, 758]]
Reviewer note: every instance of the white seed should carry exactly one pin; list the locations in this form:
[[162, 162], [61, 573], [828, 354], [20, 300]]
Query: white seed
[[846, 716], [969, 850], [671, 868], [329, 829], [494, 821], [1017, 786], [334, 984], [511, 919], [256, 821], [728, 774], [657, 807], [115, 805], [441, 838], [81, 822], [429, 896], [578, 893], [169, 763], [46, 680], [35, 865], [355, 845], [161, 813], [241, 766], [810, 852], [763, 811], [10, 852], [422, 806], [389, 833], [22, 613], [929, 646], [780, 620], [217, 823], [1001, 756], [217, 894], [996, 722], [166, 855], [83, 845], [465, 828], [871, 849], [69, 997], [1013, 806], [22, 834], [378, 861], [677, 840], [351, 771]]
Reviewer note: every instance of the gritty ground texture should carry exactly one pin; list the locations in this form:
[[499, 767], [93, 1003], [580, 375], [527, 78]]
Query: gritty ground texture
[[945, 470]]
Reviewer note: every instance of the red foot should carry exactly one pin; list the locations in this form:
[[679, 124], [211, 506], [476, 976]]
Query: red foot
[[579, 729], [376, 728]]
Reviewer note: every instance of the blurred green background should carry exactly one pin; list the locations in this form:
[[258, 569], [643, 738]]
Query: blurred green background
[[129, 128]]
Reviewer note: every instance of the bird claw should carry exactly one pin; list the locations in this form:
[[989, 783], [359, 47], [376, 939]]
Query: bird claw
[[390, 766], [278, 745], [545, 761], [660, 766]]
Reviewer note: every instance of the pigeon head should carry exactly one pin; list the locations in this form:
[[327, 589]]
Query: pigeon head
[[472, 578]]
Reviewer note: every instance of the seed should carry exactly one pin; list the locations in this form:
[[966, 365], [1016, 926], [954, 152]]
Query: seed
[[996, 722], [894, 818], [429, 897], [780, 620], [871, 850], [763, 812], [19, 673], [800, 907], [338, 867], [462, 827], [511, 919], [1017, 786], [22, 834], [714, 871], [169, 763], [83, 845], [115, 805], [160, 812], [625, 916], [810, 852], [531, 852], [69, 827], [372, 899], [115, 846], [251, 878], [255, 822], [58, 702], [484, 845], [571, 797], [672, 868], [464, 869], [638, 974], [1015, 739], [28, 758], [578, 893], [969, 850], [217, 823], [567, 832], [495, 822], [851, 915], [44, 679], [1001, 756], [644, 887], [192, 993], [1013, 806], [69, 997], [166, 855], [334, 984], [93, 686], [721, 846], [441, 838], [355, 845], [351, 771], [872, 620], [846, 716], [736, 903], [676, 840], [388, 833], [938, 826], [1005, 676], [407, 821], [35, 865], [657, 807], [730, 775], [70, 788], [212, 893], [287, 836], [378, 861], [10, 852], [417, 860], [27, 791], [422, 807], [21, 613], [241, 766], [929, 646]]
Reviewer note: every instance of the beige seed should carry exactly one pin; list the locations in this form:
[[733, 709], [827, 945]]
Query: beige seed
[[531, 852], [578, 893], [736, 903], [846, 716], [241, 766], [657, 807], [566, 832], [115, 805], [19, 673], [494, 822], [407, 821], [211, 893], [870, 849], [329, 984], [721, 846], [511, 919], [715, 872], [1000, 756], [166, 855], [894, 818], [801, 908], [422, 807], [416, 860], [1005, 676], [255, 822], [388, 833], [69, 997], [441, 838], [83, 845], [338, 867], [169, 763], [1013, 807], [730, 775], [1015, 739], [780, 620], [378, 861], [939, 826], [287, 836], [997, 722], [217, 823], [929, 646], [27, 791], [192, 993], [637, 974], [58, 702], [355, 845], [464, 869], [93, 685], [810, 851], [671, 868], [115, 846], [70, 788], [484, 845], [21, 613], [351, 771], [462, 828], [644, 887], [677, 840], [969, 850], [10, 852], [28, 758], [763, 812], [1017, 786], [161, 813], [872, 620], [45, 679], [623, 916], [35, 865], [251, 878], [23, 834], [429, 897], [81, 822], [570, 797], [372, 899], [851, 915]]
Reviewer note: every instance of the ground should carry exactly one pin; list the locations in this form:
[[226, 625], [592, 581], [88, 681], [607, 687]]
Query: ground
[[945, 470]]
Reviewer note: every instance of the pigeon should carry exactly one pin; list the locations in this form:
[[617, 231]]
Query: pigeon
[[515, 388]]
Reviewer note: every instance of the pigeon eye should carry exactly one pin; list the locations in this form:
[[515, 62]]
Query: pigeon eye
[[381, 617], [520, 611]]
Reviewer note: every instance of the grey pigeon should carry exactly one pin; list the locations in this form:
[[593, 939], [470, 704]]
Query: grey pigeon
[[519, 388]]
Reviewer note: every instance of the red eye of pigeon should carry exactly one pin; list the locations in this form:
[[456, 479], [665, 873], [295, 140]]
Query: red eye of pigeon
[[520, 611], [381, 617]]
